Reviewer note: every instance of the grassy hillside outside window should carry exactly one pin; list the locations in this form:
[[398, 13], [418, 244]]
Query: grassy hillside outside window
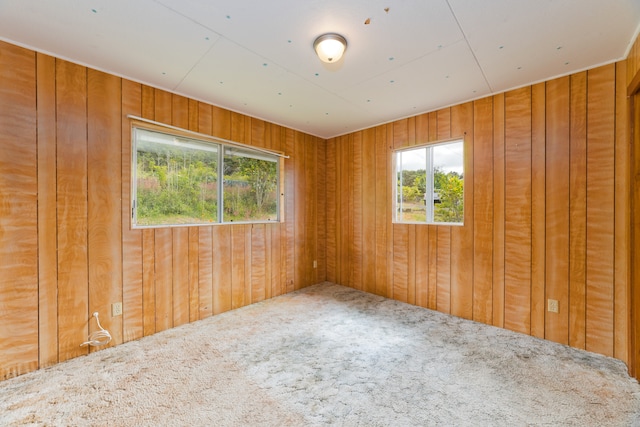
[[176, 182]]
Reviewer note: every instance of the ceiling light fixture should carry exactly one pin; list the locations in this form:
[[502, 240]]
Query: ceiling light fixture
[[330, 47]]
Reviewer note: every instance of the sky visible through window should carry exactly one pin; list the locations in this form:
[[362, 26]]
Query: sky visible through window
[[448, 158]]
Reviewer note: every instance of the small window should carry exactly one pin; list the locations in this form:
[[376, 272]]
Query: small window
[[429, 184], [176, 181]]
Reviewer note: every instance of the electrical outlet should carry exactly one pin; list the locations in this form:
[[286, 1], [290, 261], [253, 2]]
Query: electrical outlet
[[116, 309], [552, 305], [315, 264]]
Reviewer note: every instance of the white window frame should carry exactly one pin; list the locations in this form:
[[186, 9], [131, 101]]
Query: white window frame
[[204, 142]]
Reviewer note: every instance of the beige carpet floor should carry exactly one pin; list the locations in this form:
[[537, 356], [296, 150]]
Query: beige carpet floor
[[328, 355]]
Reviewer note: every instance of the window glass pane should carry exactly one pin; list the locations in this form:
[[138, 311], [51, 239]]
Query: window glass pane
[[448, 182], [176, 180], [250, 186], [411, 166], [430, 184]]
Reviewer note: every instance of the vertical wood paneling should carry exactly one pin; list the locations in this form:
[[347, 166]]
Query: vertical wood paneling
[[400, 261], [290, 201], [389, 243], [518, 205], [311, 211], [104, 154], [221, 123], [282, 234], [400, 231], [443, 274], [205, 272], [194, 271], [411, 264], [622, 219], [634, 301], [47, 221], [382, 210], [18, 213], [369, 210], [240, 128], [577, 210], [321, 200], [443, 126], [248, 261], [205, 119], [462, 237], [432, 283], [557, 208], [483, 211], [400, 133], [222, 273], [73, 304], [268, 263], [67, 132], [498, 209], [422, 267], [559, 172], [277, 278], [258, 262], [632, 64], [538, 229], [238, 275], [344, 213], [258, 132], [600, 200], [194, 115], [163, 275], [300, 258], [516, 221], [180, 275], [149, 281], [357, 240], [331, 169], [132, 260]]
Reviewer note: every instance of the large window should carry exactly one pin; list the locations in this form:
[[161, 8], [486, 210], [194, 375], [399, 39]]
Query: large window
[[429, 183], [176, 181]]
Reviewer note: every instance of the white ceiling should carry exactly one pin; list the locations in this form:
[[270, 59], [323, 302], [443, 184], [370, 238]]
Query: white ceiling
[[256, 57]]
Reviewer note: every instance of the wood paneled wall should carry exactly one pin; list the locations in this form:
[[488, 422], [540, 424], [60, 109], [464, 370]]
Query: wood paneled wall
[[546, 213], [633, 90], [66, 246], [633, 66]]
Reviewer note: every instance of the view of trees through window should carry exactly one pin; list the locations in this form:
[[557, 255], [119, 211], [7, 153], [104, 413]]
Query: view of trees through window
[[177, 182], [430, 184], [250, 186]]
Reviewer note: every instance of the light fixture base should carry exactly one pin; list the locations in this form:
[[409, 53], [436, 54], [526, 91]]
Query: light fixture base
[[330, 47]]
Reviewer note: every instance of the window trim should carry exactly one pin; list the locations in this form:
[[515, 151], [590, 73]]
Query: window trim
[[153, 126], [165, 128], [394, 190]]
